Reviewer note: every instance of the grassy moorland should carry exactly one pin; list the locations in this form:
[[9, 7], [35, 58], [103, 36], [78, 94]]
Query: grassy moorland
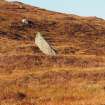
[[76, 76]]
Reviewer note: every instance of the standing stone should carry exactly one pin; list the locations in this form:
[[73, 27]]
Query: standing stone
[[43, 45]]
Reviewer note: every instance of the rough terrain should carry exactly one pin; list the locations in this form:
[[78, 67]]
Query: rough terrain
[[76, 76]]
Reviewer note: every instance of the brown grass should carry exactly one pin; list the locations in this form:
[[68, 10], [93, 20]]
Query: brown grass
[[76, 76], [53, 86]]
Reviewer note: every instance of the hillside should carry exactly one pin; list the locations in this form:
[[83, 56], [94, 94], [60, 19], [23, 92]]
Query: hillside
[[28, 77]]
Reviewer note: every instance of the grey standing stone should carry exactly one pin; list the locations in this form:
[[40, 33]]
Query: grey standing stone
[[43, 45]]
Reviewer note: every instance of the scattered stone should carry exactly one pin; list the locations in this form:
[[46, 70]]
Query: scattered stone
[[24, 21]]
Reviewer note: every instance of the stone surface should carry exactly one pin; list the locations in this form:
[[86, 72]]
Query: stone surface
[[43, 45]]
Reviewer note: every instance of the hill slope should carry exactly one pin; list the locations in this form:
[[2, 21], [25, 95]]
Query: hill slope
[[28, 77], [68, 34]]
